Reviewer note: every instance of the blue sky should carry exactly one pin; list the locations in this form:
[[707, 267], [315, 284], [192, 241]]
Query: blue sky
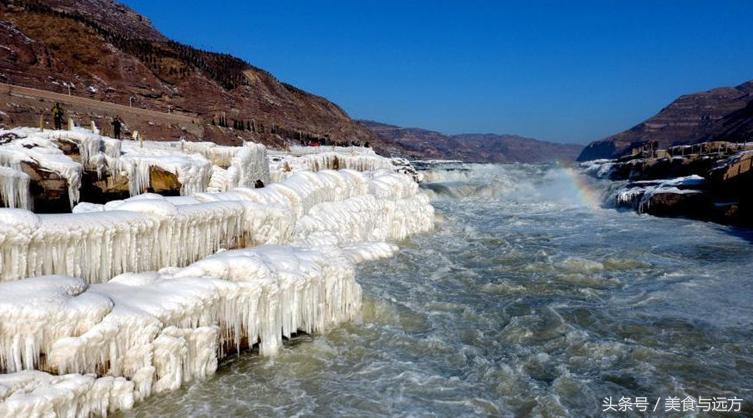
[[566, 71]]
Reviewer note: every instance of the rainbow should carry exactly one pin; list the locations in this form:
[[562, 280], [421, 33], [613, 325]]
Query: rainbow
[[584, 192]]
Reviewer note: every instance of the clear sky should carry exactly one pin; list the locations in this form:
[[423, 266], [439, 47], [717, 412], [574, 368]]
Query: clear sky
[[567, 71]]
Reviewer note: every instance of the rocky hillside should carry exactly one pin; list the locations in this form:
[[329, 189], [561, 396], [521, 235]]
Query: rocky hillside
[[487, 148], [102, 50], [720, 114]]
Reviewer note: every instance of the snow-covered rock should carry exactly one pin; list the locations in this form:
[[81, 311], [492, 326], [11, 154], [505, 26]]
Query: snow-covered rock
[[38, 149], [639, 195]]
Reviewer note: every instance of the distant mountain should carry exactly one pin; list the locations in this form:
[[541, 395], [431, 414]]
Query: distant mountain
[[487, 148], [724, 113], [103, 50]]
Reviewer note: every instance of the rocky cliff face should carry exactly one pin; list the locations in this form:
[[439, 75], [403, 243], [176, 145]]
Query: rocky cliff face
[[708, 181], [486, 148], [720, 114], [105, 51]]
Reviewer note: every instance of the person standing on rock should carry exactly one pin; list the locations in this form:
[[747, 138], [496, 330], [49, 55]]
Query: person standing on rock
[[116, 125], [57, 116]]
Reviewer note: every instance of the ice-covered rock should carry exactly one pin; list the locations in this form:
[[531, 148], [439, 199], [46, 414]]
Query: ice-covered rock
[[195, 165], [231, 166], [314, 159], [99, 242], [682, 196], [598, 168], [39, 150], [138, 236], [192, 170]]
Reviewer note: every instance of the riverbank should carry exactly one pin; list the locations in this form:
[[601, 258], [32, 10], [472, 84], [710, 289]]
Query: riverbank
[[119, 300], [708, 181]]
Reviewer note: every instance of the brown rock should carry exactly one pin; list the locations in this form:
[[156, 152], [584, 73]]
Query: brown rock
[[164, 182], [103, 190], [696, 205], [722, 113], [108, 188], [733, 168]]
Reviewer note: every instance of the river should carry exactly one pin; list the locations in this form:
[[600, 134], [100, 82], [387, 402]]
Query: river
[[529, 299]]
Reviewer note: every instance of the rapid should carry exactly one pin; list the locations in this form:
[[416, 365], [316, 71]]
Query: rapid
[[529, 299]]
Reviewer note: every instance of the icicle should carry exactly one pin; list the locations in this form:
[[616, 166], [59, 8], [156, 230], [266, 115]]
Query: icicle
[[34, 313], [14, 188]]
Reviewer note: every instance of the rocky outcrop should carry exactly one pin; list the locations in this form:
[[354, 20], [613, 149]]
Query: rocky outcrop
[[103, 189], [694, 204], [708, 181], [733, 169], [720, 114], [679, 161], [423, 144]]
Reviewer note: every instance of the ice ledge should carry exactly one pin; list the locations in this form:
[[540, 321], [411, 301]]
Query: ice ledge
[[145, 333]]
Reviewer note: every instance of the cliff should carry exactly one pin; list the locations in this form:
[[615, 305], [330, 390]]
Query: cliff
[[724, 113], [708, 181]]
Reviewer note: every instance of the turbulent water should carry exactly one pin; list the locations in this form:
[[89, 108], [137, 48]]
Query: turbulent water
[[526, 301]]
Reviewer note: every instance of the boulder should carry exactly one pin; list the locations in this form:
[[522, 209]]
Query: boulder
[[685, 203], [163, 182]]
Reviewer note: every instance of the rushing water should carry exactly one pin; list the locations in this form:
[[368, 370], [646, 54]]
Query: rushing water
[[526, 301]]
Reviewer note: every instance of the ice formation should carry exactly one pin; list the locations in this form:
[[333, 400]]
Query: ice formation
[[14, 188], [230, 166], [36, 312], [198, 166], [639, 194], [104, 306], [598, 168], [40, 150], [37, 394], [150, 332], [236, 166], [192, 170], [138, 234], [283, 164]]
